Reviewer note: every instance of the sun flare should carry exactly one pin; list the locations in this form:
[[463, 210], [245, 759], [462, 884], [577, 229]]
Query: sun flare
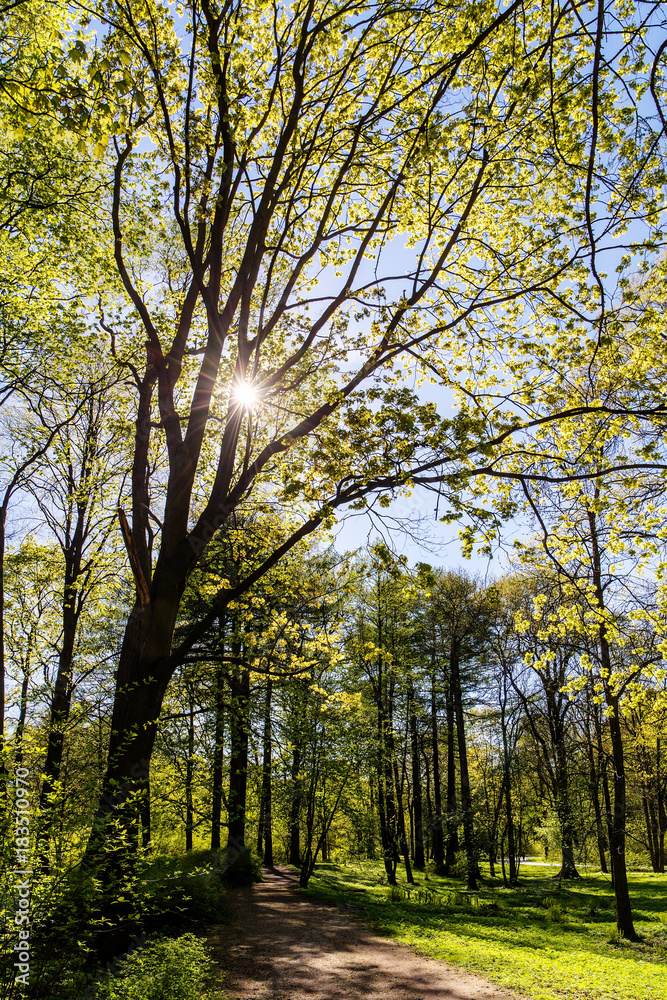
[[245, 395]]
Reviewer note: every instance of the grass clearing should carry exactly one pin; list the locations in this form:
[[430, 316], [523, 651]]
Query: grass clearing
[[546, 941]]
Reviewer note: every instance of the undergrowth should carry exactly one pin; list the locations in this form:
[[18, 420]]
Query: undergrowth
[[550, 941]]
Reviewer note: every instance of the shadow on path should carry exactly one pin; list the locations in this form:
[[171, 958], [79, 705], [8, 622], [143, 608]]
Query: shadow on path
[[282, 946]]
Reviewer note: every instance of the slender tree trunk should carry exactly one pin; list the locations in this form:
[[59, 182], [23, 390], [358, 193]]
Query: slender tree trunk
[[650, 828], [624, 920], [493, 832], [238, 760], [428, 839], [23, 705], [218, 751], [401, 827], [606, 796], [438, 848], [502, 859], [660, 802], [61, 701], [511, 847], [472, 868], [386, 813], [417, 808], [295, 806], [265, 831], [452, 808], [621, 891], [189, 773], [568, 869], [594, 780]]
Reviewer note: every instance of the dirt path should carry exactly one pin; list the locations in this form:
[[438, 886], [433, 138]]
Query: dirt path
[[279, 946]]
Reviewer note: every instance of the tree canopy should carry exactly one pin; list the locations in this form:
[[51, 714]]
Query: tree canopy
[[265, 265]]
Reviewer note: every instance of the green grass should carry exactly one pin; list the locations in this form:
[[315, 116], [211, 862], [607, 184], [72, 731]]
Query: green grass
[[537, 939]]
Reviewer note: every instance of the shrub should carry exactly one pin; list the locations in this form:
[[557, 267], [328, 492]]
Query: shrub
[[615, 936], [164, 969], [183, 891]]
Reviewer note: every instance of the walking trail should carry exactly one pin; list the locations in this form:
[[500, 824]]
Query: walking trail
[[278, 945]]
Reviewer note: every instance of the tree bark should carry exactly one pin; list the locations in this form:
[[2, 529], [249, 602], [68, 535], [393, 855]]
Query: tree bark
[[568, 869], [438, 840], [238, 760], [401, 827], [472, 868], [452, 808], [417, 807], [624, 920], [265, 831], [295, 806], [189, 773], [218, 754]]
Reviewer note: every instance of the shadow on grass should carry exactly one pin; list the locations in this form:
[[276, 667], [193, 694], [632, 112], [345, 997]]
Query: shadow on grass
[[568, 929]]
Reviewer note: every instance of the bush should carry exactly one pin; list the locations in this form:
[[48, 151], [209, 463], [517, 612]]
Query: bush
[[183, 891], [164, 969], [615, 936]]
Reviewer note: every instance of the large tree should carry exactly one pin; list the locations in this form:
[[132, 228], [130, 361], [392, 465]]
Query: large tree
[[305, 200]]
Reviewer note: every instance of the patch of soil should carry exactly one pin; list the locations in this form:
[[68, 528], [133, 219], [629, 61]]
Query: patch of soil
[[281, 946]]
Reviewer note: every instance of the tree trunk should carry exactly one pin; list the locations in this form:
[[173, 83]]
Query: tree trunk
[[452, 808], [417, 808], [511, 847], [624, 920], [141, 681], [650, 828], [594, 779], [401, 827], [438, 849], [605, 793], [218, 751], [238, 760], [386, 809], [568, 869], [61, 702], [493, 832], [428, 839], [189, 773], [295, 807], [660, 805], [472, 868], [265, 831], [23, 705]]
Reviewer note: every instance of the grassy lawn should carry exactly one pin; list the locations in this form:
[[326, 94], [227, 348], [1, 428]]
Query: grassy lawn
[[536, 939]]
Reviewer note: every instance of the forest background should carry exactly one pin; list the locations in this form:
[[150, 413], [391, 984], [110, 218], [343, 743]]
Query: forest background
[[265, 267]]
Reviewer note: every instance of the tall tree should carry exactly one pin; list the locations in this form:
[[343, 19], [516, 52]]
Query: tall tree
[[288, 169]]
